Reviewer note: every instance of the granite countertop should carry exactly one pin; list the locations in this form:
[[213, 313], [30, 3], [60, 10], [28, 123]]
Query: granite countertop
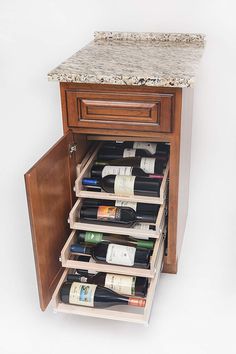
[[132, 58]]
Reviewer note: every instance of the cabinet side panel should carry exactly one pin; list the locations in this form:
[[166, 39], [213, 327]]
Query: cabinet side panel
[[64, 107], [48, 188], [184, 166], [170, 261]]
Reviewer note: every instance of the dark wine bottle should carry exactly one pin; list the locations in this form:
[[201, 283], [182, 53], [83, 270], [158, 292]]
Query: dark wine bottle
[[92, 295], [96, 237], [150, 165], [125, 216], [126, 185], [152, 148], [115, 254], [102, 171], [139, 207], [111, 154], [122, 284]]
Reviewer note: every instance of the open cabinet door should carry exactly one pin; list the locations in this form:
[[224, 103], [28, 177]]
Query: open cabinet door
[[48, 185]]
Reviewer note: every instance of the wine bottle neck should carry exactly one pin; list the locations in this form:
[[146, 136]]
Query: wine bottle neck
[[90, 182], [137, 301], [145, 217], [77, 248]]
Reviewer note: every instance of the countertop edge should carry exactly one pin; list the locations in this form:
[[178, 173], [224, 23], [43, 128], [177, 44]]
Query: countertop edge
[[151, 36], [171, 82]]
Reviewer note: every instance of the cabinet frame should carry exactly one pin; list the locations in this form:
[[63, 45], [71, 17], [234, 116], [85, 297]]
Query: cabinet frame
[[180, 151]]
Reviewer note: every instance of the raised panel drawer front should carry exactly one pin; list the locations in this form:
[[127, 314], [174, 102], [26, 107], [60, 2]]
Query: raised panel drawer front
[[119, 110]]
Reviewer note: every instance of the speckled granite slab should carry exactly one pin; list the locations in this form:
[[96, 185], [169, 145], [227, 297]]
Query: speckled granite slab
[[131, 58]]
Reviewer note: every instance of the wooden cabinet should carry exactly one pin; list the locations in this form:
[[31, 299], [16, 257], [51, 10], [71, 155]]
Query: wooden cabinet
[[92, 114]]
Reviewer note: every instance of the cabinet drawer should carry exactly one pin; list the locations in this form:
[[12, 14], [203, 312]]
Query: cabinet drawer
[[120, 313], [77, 224], [119, 110], [68, 261], [84, 168]]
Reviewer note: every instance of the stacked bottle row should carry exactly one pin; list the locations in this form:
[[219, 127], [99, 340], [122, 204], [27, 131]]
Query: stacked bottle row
[[122, 168], [103, 290], [114, 249], [124, 171]]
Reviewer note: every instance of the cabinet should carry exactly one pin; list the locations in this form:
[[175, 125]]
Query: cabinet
[[93, 113]]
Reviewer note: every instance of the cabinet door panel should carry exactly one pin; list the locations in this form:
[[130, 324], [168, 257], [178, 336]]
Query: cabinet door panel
[[48, 185]]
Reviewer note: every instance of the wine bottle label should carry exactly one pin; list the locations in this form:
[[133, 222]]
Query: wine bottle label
[[120, 254], [129, 152], [107, 213], [117, 170], [147, 164], [83, 279], [93, 237], [151, 147], [124, 185], [141, 226], [122, 203], [82, 294], [122, 284]]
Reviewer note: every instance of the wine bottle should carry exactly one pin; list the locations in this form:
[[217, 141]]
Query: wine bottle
[[139, 207], [126, 185], [115, 254], [122, 284], [96, 237], [152, 148], [149, 165], [93, 295], [125, 216], [111, 154], [102, 171]]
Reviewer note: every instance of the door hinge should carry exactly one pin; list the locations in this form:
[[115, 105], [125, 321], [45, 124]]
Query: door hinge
[[72, 148]]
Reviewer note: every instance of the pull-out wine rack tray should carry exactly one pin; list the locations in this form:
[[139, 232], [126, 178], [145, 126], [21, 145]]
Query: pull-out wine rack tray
[[68, 261], [83, 170], [77, 224], [120, 313]]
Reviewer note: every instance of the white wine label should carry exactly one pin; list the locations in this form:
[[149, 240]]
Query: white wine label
[[124, 185], [151, 147], [144, 227], [141, 226], [120, 254], [122, 284], [91, 260], [132, 205], [129, 153], [147, 164], [117, 170], [82, 294]]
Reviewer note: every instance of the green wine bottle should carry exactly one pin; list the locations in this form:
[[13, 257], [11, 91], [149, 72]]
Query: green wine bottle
[[97, 237]]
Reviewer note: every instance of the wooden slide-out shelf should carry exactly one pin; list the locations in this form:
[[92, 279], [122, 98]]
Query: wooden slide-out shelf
[[77, 224], [83, 170], [68, 261], [120, 313]]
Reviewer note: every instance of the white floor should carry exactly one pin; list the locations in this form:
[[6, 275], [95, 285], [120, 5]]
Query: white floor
[[193, 312]]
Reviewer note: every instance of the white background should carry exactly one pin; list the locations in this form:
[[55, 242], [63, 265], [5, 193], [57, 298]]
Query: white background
[[194, 311]]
